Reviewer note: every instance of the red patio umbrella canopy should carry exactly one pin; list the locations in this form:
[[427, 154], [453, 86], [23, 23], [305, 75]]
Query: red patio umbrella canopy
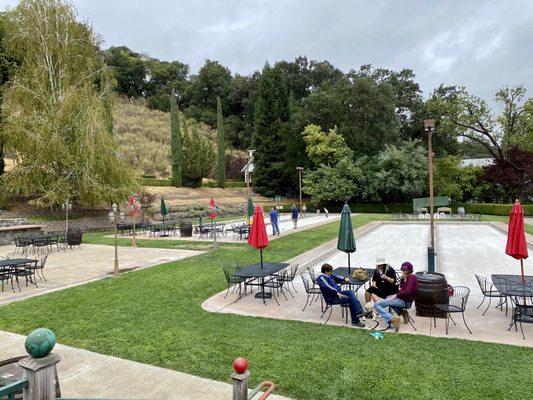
[[516, 235], [258, 235]]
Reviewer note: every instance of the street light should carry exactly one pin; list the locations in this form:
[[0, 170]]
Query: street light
[[66, 206], [113, 219], [300, 169], [429, 127]]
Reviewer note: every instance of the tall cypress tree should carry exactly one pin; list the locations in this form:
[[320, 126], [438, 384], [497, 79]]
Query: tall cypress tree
[[175, 141], [221, 143], [268, 140]]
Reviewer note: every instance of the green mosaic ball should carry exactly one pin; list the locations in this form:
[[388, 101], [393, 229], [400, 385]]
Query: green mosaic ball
[[40, 342]]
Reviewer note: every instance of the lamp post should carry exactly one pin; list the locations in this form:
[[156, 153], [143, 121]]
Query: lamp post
[[429, 127], [300, 169], [113, 219], [66, 206]]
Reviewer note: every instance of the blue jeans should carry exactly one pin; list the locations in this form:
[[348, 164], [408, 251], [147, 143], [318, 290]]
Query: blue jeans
[[275, 227], [382, 307], [354, 304]]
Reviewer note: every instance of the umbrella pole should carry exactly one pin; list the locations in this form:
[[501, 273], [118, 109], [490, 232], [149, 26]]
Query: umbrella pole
[[522, 270], [349, 267], [261, 253]]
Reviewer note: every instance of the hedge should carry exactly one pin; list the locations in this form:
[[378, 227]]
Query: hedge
[[494, 209], [229, 184], [155, 182]]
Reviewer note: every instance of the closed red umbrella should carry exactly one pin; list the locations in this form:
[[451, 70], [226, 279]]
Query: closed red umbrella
[[258, 235], [516, 236]]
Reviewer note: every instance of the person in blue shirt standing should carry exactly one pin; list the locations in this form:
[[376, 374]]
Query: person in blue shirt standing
[[333, 294], [294, 214], [274, 220]]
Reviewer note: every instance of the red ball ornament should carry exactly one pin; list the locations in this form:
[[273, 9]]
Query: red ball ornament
[[240, 365]]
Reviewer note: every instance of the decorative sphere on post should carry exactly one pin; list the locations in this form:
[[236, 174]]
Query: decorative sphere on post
[[40, 342], [240, 365]]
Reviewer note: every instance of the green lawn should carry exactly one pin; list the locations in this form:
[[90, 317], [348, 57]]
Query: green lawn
[[154, 316]]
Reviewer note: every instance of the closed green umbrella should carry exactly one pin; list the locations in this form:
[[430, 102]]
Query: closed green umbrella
[[346, 241], [250, 211], [163, 208]]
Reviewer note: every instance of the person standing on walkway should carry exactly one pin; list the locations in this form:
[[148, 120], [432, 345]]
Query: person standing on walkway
[[294, 214], [401, 300], [326, 211], [274, 220], [304, 210]]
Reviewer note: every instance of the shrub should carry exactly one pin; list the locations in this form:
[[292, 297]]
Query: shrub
[[494, 209], [155, 182]]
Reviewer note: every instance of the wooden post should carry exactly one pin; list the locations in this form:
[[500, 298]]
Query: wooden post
[[240, 385], [240, 379], [41, 373]]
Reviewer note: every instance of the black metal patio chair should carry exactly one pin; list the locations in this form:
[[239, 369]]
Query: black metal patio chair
[[6, 275], [22, 244], [39, 268], [456, 304], [11, 256], [288, 278], [74, 237], [489, 290], [522, 313], [232, 280], [311, 291], [26, 271], [276, 284]]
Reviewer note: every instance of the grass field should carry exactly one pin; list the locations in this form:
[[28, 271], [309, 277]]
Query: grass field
[[154, 316]]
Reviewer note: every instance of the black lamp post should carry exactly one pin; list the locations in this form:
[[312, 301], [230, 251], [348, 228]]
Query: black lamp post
[[66, 206], [429, 127], [113, 219]]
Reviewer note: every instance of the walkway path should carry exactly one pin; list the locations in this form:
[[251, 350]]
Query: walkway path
[[84, 374]]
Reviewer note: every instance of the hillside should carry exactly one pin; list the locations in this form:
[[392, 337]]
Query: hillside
[[143, 136]]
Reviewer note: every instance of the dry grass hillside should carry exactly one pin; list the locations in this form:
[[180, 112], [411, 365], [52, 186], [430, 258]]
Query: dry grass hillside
[[143, 136]]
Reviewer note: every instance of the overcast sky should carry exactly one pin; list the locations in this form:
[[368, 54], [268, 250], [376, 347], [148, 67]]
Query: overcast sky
[[482, 45]]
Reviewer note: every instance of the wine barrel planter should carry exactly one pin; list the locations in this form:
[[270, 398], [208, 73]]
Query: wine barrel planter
[[186, 229], [433, 290]]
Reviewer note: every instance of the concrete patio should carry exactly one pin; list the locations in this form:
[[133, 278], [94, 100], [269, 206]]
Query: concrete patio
[[464, 249], [88, 263]]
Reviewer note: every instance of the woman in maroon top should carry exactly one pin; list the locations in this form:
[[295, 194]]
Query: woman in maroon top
[[402, 299]]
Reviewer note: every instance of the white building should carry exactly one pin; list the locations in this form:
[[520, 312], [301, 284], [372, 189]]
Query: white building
[[476, 162]]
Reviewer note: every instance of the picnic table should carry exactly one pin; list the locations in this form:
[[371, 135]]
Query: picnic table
[[254, 275]]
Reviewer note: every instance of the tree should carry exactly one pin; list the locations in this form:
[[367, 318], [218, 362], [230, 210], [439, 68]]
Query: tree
[[55, 116], [462, 114], [221, 147], [399, 173], [337, 182], [198, 157], [460, 183], [175, 142], [325, 148], [513, 176], [129, 70], [271, 115]]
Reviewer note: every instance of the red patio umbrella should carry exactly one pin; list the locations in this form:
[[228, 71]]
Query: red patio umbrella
[[516, 236], [258, 235]]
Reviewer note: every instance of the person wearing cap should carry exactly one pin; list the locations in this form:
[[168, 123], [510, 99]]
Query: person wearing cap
[[402, 299], [383, 283], [333, 294]]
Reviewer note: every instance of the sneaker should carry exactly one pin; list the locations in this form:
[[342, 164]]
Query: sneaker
[[396, 323], [358, 324], [405, 316]]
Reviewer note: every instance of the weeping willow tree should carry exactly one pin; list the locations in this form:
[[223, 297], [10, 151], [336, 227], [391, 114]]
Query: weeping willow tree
[[57, 110]]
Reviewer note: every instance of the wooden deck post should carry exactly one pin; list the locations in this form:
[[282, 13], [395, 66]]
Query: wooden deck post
[[240, 379], [40, 373]]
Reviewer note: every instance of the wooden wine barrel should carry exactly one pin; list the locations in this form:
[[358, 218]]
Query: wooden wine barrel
[[185, 229], [433, 290]]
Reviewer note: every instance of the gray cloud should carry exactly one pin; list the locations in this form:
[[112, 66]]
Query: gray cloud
[[482, 45]]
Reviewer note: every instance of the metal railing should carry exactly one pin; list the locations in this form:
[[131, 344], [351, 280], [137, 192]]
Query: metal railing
[[9, 391]]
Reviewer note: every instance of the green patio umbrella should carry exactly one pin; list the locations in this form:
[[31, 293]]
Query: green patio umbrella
[[346, 241], [250, 211], [163, 208]]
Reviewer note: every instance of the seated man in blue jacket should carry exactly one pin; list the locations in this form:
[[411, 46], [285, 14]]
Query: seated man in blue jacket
[[333, 294]]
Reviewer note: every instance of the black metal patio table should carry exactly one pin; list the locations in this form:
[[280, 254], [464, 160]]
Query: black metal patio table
[[254, 275], [354, 284], [512, 286], [17, 264]]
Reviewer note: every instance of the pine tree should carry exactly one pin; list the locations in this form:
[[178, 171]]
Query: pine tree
[[176, 142], [272, 113], [221, 160]]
